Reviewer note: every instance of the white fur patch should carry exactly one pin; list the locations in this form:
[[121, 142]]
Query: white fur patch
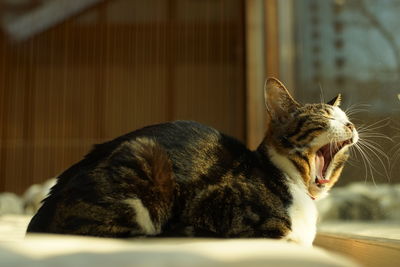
[[339, 115], [338, 126], [284, 164], [142, 216], [303, 214], [303, 211]]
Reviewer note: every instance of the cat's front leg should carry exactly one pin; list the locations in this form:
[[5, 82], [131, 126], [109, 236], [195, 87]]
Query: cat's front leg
[[302, 234]]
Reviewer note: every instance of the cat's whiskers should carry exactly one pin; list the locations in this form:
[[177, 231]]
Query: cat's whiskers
[[395, 151], [321, 94], [356, 108], [354, 157], [374, 126], [376, 151], [396, 155], [368, 148], [370, 151], [366, 162], [353, 160]]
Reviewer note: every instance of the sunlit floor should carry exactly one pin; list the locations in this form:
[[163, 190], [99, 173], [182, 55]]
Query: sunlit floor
[[380, 229], [52, 250]]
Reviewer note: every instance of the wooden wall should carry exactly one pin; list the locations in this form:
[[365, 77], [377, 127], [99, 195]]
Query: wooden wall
[[117, 67]]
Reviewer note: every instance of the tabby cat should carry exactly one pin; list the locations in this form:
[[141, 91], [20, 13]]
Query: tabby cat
[[186, 179]]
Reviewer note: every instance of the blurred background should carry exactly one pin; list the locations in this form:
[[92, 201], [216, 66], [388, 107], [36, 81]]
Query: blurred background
[[78, 72]]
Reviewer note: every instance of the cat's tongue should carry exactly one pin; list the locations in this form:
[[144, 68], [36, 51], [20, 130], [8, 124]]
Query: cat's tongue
[[319, 166]]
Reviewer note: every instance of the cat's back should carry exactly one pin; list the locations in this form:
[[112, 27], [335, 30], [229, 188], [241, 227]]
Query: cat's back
[[152, 159], [177, 138], [181, 140], [184, 145], [189, 147], [196, 151]]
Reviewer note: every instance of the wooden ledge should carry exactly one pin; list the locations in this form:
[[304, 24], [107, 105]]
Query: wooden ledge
[[368, 251]]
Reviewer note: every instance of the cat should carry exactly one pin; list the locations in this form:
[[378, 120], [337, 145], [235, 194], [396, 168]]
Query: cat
[[183, 178]]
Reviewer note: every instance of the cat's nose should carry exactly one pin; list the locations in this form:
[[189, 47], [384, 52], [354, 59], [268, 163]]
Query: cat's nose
[[350, 126]]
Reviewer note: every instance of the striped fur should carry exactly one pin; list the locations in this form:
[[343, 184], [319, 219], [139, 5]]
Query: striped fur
[[299, 131], [186, 179]]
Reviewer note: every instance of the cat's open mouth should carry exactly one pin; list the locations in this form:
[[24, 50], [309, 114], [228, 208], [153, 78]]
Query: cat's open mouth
[[324, 157]]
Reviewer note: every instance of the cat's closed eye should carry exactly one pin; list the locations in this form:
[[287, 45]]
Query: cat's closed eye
[[184, 178]]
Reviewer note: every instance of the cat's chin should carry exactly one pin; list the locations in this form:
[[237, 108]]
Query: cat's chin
[[317, 191]]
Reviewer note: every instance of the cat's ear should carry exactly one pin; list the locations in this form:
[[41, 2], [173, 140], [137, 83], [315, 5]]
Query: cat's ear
[[336, 101], [278, 101]]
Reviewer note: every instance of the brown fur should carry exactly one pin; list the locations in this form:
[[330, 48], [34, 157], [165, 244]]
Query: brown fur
[[187, 179]]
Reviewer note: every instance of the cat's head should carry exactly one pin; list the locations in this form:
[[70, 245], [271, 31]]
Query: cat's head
[[308, 142]]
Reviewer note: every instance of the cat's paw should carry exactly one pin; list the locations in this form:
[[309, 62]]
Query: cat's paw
[[299, 242]]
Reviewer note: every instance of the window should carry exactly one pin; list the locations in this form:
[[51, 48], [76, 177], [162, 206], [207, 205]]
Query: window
[[352, 47]]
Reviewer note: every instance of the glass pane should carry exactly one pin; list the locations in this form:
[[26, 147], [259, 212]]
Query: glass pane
[[353, 48]]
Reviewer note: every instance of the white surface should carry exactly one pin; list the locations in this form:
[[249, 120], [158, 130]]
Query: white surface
[[56, 250], [47, 250], [12, 227]]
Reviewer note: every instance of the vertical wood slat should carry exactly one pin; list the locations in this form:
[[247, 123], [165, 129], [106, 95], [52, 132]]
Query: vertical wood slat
[[84, 83], [4, 95], [271, 38], [255, 72], [262, 61], [287, 43]]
